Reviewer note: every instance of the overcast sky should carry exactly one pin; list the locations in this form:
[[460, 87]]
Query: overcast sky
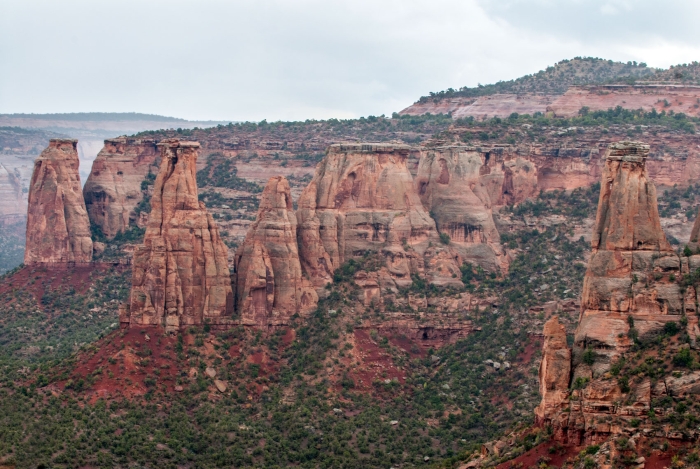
[[299, 59]]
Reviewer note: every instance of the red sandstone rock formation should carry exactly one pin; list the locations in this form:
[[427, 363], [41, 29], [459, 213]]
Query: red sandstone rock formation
[[450, 186], [181, 275], [113, 189], [555, 371], [632, 262], [362, 199], [676, 98], [270, 287], [58, 229], [630, 283]]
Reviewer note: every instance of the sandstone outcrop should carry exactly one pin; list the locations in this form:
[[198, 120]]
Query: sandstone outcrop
[[555, 371], [180, 274], [362, 199], [630, 292], [58, 229], [270, 286], [451, 187], [113, 188], [633, 266]]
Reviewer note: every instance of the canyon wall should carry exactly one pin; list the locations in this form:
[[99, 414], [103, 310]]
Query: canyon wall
[[360, 200], [180, 274], [113, 188], [58, 228], [270, 287]]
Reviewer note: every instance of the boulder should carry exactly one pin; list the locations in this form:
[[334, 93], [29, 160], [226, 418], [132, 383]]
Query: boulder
[[270, 286], [180, 274], [58, 228]]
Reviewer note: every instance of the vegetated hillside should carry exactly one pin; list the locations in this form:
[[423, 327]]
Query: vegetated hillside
[[555, 79], [12, 240], [682, 73], [329, 391]]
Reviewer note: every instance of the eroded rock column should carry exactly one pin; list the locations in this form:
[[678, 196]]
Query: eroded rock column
[[181, 276], [58, 229]]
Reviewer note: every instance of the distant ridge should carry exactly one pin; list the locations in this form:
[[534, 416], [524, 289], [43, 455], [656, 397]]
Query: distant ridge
[[100, 116]]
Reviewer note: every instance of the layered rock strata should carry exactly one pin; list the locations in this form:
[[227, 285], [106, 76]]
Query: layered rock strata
[[630, 292], [362, 199], [58, 228], [113, 188], [452, 188], [180, 274], [13, 204], [270, 286]]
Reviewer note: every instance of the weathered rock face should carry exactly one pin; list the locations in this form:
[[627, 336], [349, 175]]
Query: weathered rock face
[[632, 266], [58, 229], [13, 204], [270, 287], [362, 199], [630, 292], [555, 371], [113, 188], [181, 275], [450, 186]]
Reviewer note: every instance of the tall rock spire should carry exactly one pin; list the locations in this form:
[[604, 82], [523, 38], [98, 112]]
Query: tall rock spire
[[270, 287], [632, 271], [181, 275], [58, 228]]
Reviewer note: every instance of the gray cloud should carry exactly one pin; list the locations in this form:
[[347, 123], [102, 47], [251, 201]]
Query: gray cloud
[[291, 59]]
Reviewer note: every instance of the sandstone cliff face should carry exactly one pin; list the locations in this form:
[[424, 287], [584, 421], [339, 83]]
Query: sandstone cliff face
[[555, 371], [450, 186], [13, 204], [362, 199], [270, 287], [180, 274], [113, 188], [58, 229]]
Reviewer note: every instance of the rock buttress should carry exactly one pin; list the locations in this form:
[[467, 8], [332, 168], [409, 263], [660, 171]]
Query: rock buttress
[[181, 276], [362, 199], [270, 286], [58, 228], [113, 188], [450, 187]]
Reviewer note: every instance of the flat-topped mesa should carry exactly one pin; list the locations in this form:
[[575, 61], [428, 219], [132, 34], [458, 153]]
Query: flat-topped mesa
[[113, 188], [362, 199], [450, 186], [633, 268], [180, 275], [270, 286], [555, 372], [58, 228]]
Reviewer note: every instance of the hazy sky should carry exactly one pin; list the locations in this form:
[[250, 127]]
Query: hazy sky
[[299, 59]]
